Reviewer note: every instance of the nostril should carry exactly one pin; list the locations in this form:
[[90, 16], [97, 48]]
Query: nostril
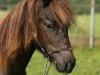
[[68, 67]]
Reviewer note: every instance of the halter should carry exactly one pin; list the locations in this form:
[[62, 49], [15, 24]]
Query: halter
[[48, 65], [69, 49]]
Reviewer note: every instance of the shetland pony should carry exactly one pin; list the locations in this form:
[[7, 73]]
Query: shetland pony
[[36, 24]]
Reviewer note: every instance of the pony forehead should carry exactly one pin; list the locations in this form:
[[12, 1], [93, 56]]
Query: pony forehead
[[62, 12]]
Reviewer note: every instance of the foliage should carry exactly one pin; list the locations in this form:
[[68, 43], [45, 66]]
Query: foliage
[[81, 6], [73, 1], [84, 1], [8, 1]]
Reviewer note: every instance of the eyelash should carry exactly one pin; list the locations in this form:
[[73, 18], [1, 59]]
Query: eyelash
[[50, 26]]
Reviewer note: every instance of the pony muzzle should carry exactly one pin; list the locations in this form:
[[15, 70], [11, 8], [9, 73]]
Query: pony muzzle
[[69, 67], [66, 67]]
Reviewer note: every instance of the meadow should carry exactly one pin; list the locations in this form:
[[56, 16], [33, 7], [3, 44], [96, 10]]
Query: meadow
[[88, 60]]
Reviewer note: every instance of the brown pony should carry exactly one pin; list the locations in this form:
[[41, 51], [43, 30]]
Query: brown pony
[[34, 24]]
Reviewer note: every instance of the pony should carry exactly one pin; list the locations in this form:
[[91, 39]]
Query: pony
[[32, 24]]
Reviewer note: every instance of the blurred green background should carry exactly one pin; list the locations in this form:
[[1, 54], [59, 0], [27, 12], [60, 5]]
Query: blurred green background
[[88, 62]]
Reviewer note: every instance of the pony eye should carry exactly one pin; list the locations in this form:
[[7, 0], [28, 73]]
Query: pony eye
[[49, 24], [50, 27]]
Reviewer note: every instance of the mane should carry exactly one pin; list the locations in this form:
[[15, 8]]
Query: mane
[[18, 27], [62, 12]]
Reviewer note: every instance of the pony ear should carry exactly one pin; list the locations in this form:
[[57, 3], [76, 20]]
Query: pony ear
[[46, 2]]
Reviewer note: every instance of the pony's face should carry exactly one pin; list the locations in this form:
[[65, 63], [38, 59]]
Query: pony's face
[[52, 38]]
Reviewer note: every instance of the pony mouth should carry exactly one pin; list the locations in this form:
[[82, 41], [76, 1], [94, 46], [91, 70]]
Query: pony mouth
[[60, 69], [64, 69]]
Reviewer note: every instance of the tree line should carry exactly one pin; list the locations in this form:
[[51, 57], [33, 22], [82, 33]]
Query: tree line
[[81, 6], [8, 1], [73, 1]]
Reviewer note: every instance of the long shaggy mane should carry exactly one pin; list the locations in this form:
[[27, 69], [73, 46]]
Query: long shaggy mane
[[18, 27]]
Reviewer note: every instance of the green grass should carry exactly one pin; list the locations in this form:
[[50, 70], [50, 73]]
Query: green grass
[[88, 62], [80, 32], [83, 24], [3, 14]]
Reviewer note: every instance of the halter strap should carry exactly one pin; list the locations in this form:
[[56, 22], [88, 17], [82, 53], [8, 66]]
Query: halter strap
[[53, 52], [47, 67], [69, 49]]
